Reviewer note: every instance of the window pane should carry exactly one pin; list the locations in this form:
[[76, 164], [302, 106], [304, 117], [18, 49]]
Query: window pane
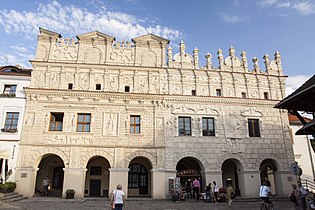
[[132, 129], [80, 128], [86, 128], [137, 120], [80, 118], [87, 118], [137, 129], [132, 120]]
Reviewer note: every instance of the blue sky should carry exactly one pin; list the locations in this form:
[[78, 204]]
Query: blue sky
[[255, 26]]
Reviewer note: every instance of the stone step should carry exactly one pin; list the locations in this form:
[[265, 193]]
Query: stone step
[[11, 197]]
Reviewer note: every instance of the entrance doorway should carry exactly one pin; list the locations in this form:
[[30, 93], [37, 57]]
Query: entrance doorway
[[52, 166], [95, 187], [230, 174]]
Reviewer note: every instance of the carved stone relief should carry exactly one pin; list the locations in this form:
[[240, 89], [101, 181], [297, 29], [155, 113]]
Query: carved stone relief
[[183, 110], [149, 59], [252, 113], [39, 79], [234, 124], [159, 123], [92, 55], [84, 81], [122, 53], [110, 125], [66, 139], [154, 84], [54, 79], [29, 119], [112, 81]]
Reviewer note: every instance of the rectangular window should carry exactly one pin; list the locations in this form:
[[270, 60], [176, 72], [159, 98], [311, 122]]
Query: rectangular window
[[11, 121], [9, 89], [193, 92], [266, 95], [208, 126], [135, 124], [184, 126], [243, 95], [253, 128], [56, 121], [218, 92], [98, 87], [96, 170], [127, 89], [70, 86], [84, 122]]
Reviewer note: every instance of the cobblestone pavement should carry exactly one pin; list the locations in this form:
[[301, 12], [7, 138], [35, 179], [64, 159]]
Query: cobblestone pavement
[[102, 204]]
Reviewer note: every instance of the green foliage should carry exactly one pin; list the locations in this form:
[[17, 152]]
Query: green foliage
[[70, 191], [7, 187]]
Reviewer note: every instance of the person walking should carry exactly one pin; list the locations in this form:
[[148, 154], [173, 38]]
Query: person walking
[[229, 192], [303, 195], [196, 185], [215, 191], [118, 198], [208, 193], [296, 194], [45, 186]]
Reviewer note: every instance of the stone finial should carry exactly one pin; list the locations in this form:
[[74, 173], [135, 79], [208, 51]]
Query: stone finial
[[256, 65], [196, 58], [182, 47], [232, 51], [244, 60], [208, 61], [278, 61], [220, 58], [267, 62], [170, 54]]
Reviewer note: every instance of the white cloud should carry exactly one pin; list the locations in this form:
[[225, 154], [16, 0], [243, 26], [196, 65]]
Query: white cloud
[[305, 7], [294, 82], [72, 20], [267, 3], [231, 18], [19, 48]]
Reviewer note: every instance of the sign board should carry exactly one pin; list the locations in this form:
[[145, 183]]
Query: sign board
[[295, 169]]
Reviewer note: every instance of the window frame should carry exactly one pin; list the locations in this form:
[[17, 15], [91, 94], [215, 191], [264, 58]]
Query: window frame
[[98, 86], [218, 92], [134, 125], [184, 132], [56, 123], [207, 130], [254, 128], [11, 124], [83, 123], [9, 91]]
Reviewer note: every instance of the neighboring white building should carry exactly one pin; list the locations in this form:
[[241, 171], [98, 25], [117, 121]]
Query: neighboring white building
[[303, 152], [101, 112], [13, 80]]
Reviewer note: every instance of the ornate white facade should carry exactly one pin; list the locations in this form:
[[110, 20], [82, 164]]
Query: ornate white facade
[[115, 82]]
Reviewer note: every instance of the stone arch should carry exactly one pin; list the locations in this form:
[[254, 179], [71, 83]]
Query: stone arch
[[37, 156], [201, 158], [279, 163], [87, 156], [225, 157], [140, 153]]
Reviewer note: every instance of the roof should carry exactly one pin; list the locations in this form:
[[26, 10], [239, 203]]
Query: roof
[[307, 129], [294, 120], [303, 99], [15, 71]]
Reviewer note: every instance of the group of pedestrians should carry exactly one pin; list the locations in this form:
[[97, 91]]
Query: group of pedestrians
[[298, 196], [211, 191]]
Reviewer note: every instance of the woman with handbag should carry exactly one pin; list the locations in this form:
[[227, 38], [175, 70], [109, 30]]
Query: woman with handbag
[[118, 198]]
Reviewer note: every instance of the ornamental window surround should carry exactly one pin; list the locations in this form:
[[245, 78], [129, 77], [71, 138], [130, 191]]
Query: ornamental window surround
[[208, 126], [11, 122], [135, 124], [253, 128], [56, 121], [84, 122], [184, 126]]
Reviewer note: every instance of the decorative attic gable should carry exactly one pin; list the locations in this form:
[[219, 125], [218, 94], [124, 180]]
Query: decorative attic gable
[[150, 50], [95, 35], [150, 38], [45, 32]]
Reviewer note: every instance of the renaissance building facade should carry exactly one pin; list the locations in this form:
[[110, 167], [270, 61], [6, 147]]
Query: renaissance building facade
[[105, 112]]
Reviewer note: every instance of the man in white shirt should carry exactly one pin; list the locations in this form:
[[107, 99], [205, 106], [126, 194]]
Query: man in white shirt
[[264, 192]]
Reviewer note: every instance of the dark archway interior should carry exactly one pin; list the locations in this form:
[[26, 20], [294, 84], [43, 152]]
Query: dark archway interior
[[266, 168], [189, 168], [51, 165], [230, 175]]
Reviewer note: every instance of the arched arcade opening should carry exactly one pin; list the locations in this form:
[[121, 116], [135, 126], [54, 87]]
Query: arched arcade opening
[[52, 166], [139, 177], [231, 174], [268, 168], [191, 168], [97, 177]]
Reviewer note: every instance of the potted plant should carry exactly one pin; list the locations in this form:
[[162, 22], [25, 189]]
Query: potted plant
[[70, 193]]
